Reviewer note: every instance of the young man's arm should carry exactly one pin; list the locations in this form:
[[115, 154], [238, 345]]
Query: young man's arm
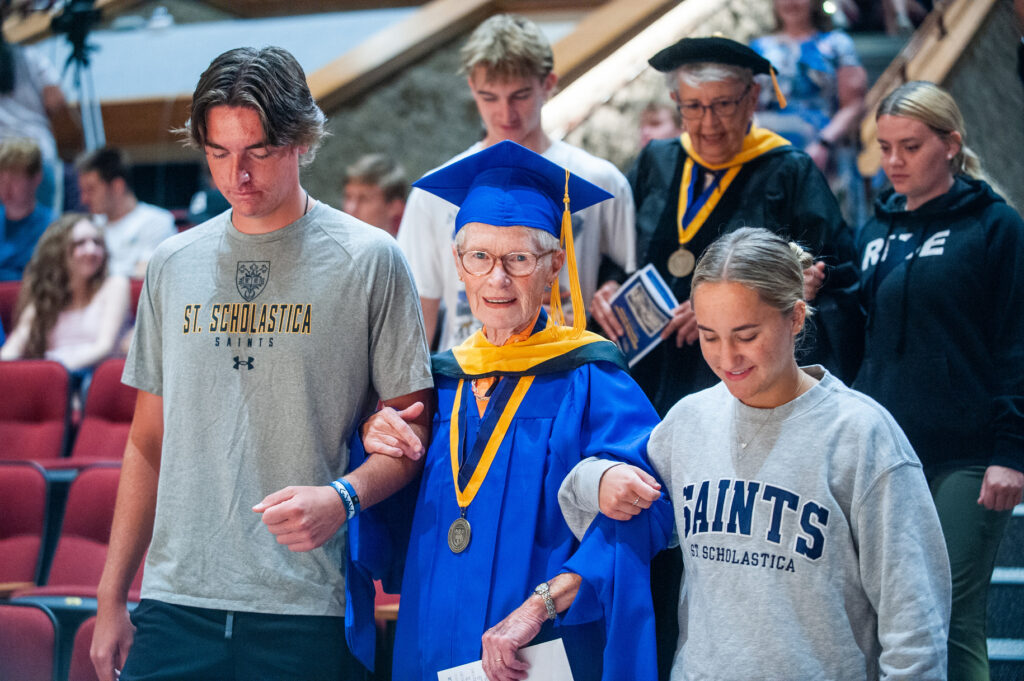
[[431, 309], [129, 536], [304, 517]]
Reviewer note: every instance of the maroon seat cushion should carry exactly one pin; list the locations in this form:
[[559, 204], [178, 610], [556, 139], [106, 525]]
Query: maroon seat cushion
[[28, 643], [23, 500]]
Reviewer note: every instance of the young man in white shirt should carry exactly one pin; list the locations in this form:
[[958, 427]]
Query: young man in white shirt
[[132, 228], [509, 69]]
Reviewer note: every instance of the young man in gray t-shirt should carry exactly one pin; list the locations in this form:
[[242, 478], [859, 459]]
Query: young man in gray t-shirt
[[263, 337]]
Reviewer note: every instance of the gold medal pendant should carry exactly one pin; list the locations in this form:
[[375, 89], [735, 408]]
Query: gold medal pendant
[[509, 392], [458, 535], [680, 263]]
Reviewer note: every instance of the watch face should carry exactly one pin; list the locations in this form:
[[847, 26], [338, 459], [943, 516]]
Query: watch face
[[545, 592]]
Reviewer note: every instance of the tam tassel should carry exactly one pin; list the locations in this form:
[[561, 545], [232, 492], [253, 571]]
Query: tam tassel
[[579, 313], [778, 91]]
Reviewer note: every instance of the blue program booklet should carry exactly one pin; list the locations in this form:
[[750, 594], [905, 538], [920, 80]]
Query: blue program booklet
[[643, 306]]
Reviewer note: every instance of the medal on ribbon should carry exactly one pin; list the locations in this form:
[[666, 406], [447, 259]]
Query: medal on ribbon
[[694, 208], [470, 468], [681, 262], [693, 211]]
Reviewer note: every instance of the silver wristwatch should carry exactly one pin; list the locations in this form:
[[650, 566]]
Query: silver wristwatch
[[544, 592]]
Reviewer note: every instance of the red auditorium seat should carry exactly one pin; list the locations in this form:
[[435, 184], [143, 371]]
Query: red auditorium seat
[[106, 420], [23, 499], [136, 292], [81, 664], [28, 643], [8, 301], [85, 532], [34, 409]]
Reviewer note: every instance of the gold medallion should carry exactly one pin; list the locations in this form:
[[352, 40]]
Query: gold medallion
[[680, 263], [458, 535]]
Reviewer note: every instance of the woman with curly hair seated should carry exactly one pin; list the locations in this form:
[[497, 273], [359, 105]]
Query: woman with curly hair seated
[[69, 310]]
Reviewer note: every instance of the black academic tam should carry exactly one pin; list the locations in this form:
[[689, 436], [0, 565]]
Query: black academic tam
[[715, 50]]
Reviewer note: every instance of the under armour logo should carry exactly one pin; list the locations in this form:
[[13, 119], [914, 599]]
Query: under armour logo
[[239, 363]]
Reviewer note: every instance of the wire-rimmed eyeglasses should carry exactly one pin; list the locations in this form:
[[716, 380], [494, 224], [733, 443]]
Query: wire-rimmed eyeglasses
[[479, 263], [721, 108]]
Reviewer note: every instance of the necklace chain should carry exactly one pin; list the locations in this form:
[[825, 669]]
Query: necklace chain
[[743, 445], [799, 391]]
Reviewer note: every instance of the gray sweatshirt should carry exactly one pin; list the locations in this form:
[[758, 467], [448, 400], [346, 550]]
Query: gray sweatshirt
[[811, 545]]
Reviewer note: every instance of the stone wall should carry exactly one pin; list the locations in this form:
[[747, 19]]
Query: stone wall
[[985, 85], [611, 132], [424, 115], [421, 116]]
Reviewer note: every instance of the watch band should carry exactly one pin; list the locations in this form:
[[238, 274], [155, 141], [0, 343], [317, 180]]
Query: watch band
[[544, 591]]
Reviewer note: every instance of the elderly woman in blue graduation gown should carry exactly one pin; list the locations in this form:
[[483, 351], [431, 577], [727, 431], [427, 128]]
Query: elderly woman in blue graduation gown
[[491, 565]]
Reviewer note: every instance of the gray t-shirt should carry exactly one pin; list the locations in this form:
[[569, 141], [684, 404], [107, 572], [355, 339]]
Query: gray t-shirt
[[813, 552], [267, 350]]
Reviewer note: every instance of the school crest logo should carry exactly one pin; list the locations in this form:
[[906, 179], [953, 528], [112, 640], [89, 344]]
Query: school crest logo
[[251, 278]]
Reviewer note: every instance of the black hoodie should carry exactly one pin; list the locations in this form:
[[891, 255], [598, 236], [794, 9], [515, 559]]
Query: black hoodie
[[943, 288]]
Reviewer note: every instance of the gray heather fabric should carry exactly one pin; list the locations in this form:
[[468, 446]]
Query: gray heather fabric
[[813, 553], [578, 495], [267, 350]]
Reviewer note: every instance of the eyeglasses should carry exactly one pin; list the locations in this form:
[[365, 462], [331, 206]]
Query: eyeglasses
[[721, 108], [479, 263]]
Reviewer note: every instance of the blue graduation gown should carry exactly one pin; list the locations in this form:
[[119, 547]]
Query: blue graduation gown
[[519, 538]]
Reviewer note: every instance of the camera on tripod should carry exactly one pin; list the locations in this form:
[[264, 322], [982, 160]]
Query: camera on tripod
[[75, 21]]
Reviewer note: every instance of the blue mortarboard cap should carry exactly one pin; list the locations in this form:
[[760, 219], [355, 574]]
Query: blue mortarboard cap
[[508, 185]]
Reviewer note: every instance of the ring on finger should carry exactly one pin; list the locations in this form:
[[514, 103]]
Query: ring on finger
[[636, 501]]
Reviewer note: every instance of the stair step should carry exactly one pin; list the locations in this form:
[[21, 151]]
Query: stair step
[[876, 51], [1011, 550], [1006, 659], [1011, 576], [1006, 649], [1005, 604]]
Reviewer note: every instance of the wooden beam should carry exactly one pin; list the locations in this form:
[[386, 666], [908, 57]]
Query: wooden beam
[[261, 8], [254, 9], [577, 100], [540, 6], [251, 9], [146, 122], [395, 47], [931, 54], [138, 122], [602, 32], [36, 26]]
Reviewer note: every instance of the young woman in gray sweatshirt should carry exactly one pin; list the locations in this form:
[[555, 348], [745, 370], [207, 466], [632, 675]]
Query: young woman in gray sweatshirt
[[811, 546]]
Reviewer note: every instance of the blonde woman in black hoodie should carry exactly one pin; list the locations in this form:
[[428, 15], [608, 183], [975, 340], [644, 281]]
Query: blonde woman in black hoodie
[[942, 278]]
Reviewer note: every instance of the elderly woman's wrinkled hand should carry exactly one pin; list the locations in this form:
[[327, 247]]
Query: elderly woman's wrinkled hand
[[504, 639], [387, 432], [626, 490]]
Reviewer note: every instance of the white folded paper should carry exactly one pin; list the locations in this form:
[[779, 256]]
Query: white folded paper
[[548, 662]]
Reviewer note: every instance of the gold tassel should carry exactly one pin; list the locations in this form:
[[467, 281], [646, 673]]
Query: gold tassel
[[579, 314], [557, 316], [778, 90]]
